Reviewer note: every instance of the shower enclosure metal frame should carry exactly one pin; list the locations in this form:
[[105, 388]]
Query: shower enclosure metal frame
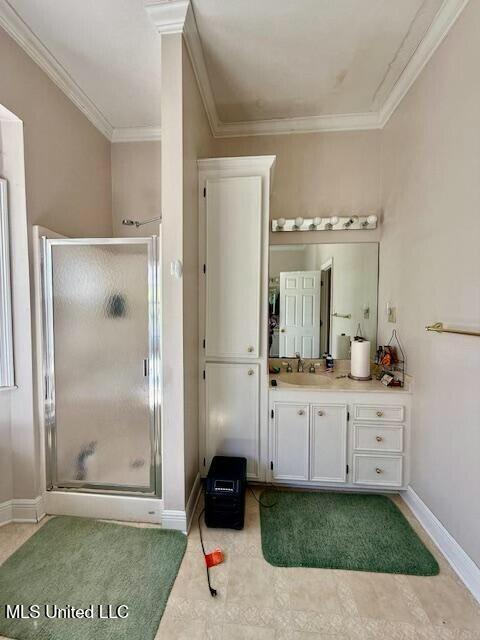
[[154, 368]]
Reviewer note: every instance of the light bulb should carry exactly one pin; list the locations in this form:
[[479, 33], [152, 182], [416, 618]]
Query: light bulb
[[281, 223], [372, 219], [316, 221], [298, 222], [334, 220]]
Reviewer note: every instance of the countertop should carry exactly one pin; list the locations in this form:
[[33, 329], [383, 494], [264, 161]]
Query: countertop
[[323, 381]]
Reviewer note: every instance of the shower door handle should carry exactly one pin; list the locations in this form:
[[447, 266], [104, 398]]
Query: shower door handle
[[145, 367]]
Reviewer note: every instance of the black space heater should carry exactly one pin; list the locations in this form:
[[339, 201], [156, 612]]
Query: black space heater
[[225, 493]]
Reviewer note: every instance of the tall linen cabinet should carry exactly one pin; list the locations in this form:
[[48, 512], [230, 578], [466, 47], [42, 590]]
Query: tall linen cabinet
[[234, 197]]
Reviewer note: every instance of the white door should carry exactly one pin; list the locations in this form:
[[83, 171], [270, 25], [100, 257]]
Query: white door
[[328, 443], [300, 314], [290, 441], [233, 267], [232, 413]]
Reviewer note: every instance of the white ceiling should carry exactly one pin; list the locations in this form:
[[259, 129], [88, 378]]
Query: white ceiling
[[264, 66], [109, 48], [295, 58]]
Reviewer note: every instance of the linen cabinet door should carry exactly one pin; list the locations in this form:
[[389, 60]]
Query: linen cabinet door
[[290, 441], [232, 413], [328, 443], [233, 267]]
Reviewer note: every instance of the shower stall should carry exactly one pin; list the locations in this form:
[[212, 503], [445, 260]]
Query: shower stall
[[101, 365]]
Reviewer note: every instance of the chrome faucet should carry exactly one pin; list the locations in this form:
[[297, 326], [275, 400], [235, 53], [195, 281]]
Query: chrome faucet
[[300, 363], [311, 368]]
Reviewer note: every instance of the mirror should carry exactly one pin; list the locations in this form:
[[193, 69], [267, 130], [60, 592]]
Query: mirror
[[320, 297]]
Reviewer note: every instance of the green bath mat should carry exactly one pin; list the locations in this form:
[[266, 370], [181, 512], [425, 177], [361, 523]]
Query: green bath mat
[[86, 563], [341, 531]]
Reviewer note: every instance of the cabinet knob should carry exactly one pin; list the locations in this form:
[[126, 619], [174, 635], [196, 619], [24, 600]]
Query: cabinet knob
[[282, 330], [301, 412], [251, 372], [320, 413], [379, 414], [379, 439], [378, 471], [250, 349]]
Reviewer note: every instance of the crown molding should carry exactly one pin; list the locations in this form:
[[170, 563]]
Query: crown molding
[[136, 134], [28, 41], [311, 124], [444, 20], [168, 16]]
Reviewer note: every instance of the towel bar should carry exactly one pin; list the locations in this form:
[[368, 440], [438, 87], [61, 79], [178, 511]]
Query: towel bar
[[439, 328]]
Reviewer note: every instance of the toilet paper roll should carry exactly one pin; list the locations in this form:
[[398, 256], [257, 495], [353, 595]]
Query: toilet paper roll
[[342, 347], [360, 359]]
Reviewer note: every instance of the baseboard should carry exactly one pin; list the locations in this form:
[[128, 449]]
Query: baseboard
[[22, 510], [193, 499], [106, 507], [174, 519], [462, 564]]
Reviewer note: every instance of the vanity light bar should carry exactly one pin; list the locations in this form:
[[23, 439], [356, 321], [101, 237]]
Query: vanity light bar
[[334, 223]]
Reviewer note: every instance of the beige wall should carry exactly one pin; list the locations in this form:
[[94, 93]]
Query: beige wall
[[67, 160], [318, 174], [197, 143], [430, 270], [136, 182]]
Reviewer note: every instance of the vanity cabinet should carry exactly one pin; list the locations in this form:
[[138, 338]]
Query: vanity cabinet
[[309, 442], [339, 438]]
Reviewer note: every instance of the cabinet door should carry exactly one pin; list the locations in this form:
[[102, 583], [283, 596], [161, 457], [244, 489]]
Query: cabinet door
[[233, 263], [328, 446], [232, 413], [290, 441]]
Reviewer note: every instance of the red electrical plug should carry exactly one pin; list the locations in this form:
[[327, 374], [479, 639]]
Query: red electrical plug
[[214, 557]]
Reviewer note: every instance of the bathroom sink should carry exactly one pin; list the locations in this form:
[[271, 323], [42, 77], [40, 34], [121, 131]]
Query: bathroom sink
[[304, 380]]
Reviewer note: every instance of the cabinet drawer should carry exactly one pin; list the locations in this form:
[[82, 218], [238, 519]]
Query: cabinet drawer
[[379, 413], [372, 437], [378, 470]]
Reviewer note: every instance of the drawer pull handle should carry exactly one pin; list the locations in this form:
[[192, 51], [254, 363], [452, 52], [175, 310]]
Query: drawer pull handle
[[379, 439], [251, 372], [379, 414], [301, 412], [250, 349], [378, 471], [320, 413]]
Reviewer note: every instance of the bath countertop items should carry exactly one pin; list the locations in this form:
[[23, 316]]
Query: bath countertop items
[[274, 370], [360, 360]]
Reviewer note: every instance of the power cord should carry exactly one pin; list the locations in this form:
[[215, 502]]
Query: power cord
[[262, 504], [213, 592]]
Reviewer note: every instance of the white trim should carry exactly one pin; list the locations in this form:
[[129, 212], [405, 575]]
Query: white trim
[[31, 44], [311, 124], [168, 16], [105, 506], [462, 564], [441, 25], [235, 163], [136, 134], [193, 499], [7, 371], [174, 519], [22, 510]]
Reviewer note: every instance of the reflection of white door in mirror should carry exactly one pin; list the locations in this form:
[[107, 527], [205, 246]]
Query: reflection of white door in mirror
[[300, 314]]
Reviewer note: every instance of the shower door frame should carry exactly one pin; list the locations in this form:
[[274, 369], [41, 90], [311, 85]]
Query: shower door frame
[[154, 362]]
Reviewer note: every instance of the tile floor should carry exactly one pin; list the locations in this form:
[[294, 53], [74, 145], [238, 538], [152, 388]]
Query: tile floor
[[259, 602]]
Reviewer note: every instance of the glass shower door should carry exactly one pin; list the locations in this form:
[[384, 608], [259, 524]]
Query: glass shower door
[[101, 364]]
